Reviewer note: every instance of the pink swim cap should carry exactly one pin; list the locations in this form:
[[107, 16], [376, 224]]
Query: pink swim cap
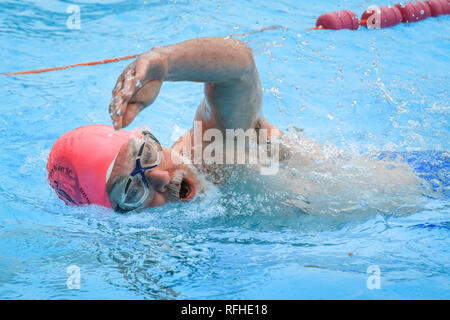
[[79, 161]]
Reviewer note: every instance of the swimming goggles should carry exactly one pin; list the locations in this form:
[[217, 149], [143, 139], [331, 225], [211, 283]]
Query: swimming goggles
[[137, 189]]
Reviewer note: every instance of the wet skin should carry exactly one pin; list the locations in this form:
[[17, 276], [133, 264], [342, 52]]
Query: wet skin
[[160, 178], [233, 97]]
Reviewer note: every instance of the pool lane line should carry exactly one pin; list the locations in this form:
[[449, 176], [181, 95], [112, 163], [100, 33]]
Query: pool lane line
[[93, 63]]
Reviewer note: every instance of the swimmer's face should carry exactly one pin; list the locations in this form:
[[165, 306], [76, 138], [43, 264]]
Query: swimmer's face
[[172, 180]]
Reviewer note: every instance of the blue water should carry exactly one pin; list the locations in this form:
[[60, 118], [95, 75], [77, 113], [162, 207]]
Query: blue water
[[368, 92]]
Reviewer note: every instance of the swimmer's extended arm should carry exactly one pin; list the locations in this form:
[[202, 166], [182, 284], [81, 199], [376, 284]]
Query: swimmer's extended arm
[[232, 86]]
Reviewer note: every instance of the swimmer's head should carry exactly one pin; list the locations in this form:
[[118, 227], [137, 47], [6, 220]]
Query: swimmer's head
[[79, 160], [88, 165], [146, 174]]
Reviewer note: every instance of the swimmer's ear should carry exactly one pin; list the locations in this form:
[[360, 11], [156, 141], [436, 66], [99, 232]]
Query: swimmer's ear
[[144, 97]]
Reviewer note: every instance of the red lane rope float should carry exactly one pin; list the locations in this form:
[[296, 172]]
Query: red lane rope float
[[345, 19], [414, 11], [439, 7], [92, 63], [383, 17]]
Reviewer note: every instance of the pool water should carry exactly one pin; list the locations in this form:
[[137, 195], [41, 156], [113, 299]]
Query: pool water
[[382, 93]]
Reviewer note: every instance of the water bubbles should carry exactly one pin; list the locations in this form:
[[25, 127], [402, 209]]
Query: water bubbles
[[275, 91], [138, 84], [276, 44], [401, 108], [414, 124], [299, 35], [116, 100], [177, 132], [353, 102], [330, 116]]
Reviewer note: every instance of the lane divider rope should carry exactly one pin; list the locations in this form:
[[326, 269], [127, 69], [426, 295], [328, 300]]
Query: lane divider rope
[[93, 63]]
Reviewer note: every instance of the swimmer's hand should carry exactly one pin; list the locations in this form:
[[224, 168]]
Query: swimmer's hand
[[137, 87]]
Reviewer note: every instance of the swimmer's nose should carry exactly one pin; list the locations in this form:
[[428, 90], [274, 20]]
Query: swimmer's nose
[[159, 180]]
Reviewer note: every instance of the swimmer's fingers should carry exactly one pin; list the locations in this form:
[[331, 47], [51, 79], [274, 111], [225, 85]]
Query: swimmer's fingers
[[117, 109], [142, 98], [122, 93], [132, 111], [116, 116], [129, 82], [137, 87], [148, 93]]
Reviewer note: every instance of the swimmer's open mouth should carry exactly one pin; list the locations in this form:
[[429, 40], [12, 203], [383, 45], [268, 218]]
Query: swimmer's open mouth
[[185, 190], [181, 188]]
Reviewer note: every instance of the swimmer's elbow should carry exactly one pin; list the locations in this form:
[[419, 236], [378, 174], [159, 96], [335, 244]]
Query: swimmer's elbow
[[245, 56]]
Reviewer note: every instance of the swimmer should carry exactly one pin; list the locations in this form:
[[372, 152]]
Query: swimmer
[[233, 98], [131, 170]]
